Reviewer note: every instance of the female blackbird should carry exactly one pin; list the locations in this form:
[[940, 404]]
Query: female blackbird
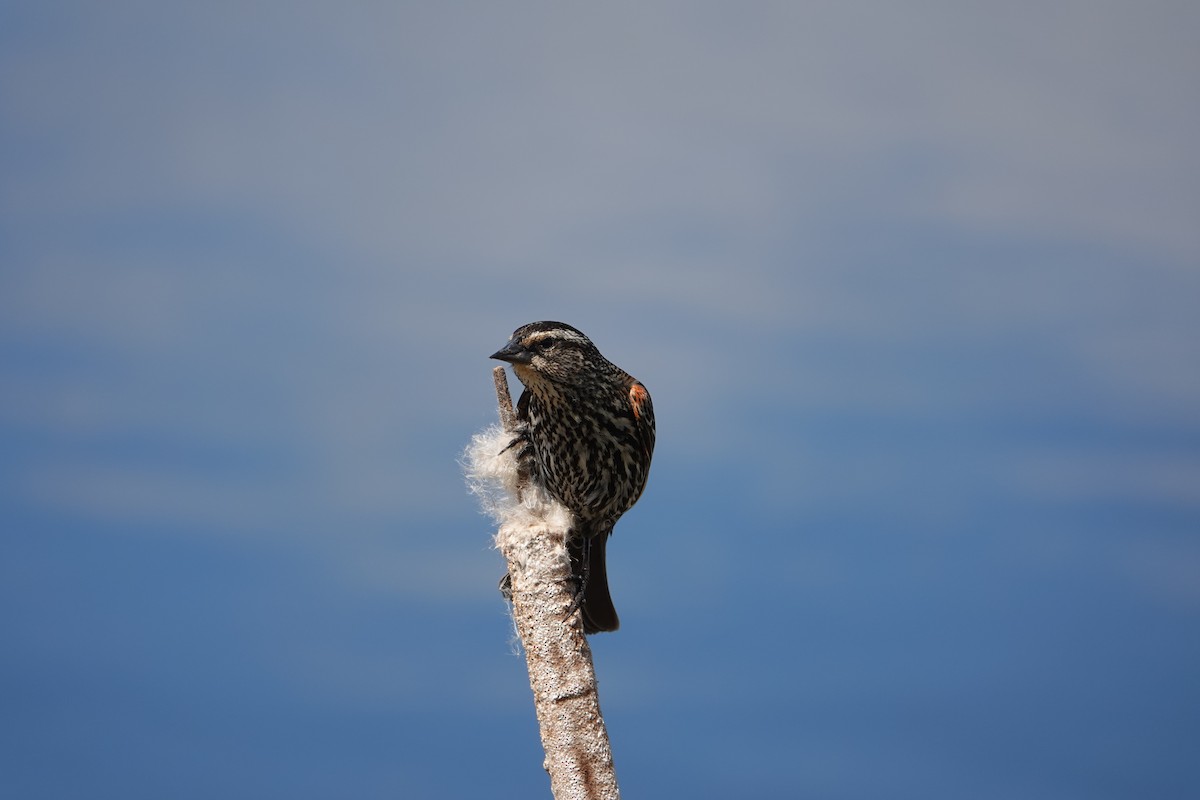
[[587, 437]]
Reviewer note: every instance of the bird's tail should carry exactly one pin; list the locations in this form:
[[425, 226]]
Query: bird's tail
[[590, 571]]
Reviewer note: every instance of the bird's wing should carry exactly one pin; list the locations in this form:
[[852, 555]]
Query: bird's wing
[[643, 417]]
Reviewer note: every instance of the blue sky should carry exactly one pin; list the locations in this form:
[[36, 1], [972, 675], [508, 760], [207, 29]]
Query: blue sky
[[914, 287]]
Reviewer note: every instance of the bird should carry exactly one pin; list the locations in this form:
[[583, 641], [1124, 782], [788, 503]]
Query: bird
[[587, 435]]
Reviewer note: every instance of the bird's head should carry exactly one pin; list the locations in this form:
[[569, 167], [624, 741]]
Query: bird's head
[[550, 353]]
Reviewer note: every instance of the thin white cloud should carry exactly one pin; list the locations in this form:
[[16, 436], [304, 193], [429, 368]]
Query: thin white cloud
[[433, 132]]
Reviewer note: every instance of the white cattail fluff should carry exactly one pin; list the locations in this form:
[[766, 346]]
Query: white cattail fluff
[[491, 470]]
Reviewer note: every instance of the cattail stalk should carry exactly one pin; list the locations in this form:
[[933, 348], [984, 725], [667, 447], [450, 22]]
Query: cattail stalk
[[533, 539]]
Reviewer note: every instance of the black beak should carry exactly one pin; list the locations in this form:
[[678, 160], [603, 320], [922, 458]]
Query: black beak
[[513, 353]]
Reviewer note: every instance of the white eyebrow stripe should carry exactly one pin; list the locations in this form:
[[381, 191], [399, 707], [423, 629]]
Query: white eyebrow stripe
[[558, 333]]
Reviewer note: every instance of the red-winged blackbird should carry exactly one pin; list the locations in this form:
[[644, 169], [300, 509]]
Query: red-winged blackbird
[[589, 436]]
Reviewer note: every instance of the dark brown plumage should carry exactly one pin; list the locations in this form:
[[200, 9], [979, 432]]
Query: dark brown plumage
[[588, 438]]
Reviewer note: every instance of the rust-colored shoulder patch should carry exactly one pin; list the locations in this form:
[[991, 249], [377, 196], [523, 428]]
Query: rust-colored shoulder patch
[[638, 398]]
